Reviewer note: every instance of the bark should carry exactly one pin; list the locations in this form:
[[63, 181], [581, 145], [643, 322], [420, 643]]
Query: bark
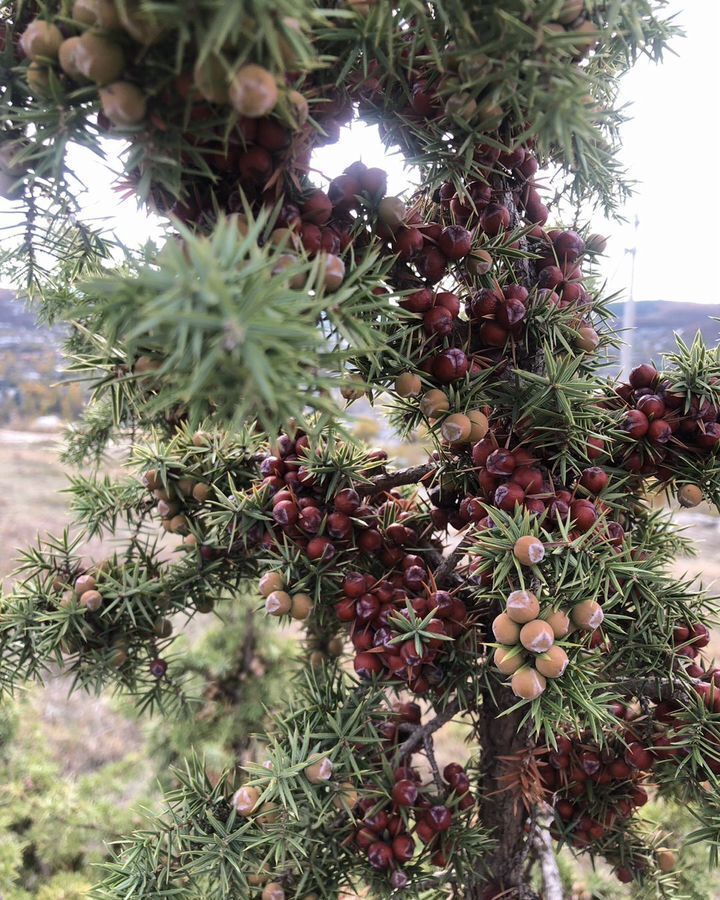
[[501, 734], [413, 475], [501, 809]]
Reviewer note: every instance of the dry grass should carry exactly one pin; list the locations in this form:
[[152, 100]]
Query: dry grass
[[82, 733]]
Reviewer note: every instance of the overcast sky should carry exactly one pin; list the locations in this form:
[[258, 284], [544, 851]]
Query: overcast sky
[[670, 148]]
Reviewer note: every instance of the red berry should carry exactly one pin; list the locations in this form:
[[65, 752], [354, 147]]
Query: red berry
[[652, 406], [635, 424], [659, 431], [638, 757], [494, 219], [320, 548], [158, 667], [374, 182], [584, 514], [354, 585], [438, 320], [343, 191], [568, 246], [450, 301], [483, 304], [450, 365], [508, 496], [419, 301], [404, 793], [347, 501], [500, 462], [699, 635], [594, 479], [317, 208], [455, 242], [345, 610], [439, 818], [367, 665], [403, 848], [380, 855], [644, 376], [451, 771], [285, 513]]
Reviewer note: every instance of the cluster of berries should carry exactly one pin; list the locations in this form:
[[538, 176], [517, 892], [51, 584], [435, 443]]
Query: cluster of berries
[[659, 423], [408, 821], [595, 789], [400, 627], [176, 499], [379, 526]]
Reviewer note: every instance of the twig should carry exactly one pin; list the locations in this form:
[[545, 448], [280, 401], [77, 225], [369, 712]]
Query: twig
[[654, 688], [542, 843], [449, 564], [430, 753], [422, 732], [413, 475]]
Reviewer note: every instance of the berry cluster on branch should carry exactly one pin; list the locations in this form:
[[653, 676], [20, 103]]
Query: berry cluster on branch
[[516, 580]]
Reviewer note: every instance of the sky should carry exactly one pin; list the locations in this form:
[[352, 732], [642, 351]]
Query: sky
[[670, 147]]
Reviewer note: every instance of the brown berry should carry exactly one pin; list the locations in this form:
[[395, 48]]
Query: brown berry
[[211, 79], [537, 636], [587, 339], [91, 600], [408, 385], [392, 212], [123, 103], [41, 40], [522, 606], [559, 621], [102, 13], [505, 630], [273, 891], [98, 58], [689, 496], [253, 91], [587, 615], [279, 603], [479, 425], [527, 683], [84, 583], [319, 772], [271, 581], [333, 272], [434, 403], [552, 663], [301, 606], [529, 551], [508, 659], [66, 58], [456, 428]]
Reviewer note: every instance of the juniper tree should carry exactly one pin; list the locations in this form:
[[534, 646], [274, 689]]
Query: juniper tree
[[518, 580]]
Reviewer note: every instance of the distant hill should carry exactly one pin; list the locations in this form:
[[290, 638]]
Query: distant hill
[[656, 321], [16, 321]]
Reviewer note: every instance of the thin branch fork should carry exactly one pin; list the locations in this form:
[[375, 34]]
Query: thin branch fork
[[411, 475], [421, 733], [450, 562]]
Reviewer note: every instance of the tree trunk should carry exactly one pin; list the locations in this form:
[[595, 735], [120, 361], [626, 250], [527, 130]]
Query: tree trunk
[[501, 809]]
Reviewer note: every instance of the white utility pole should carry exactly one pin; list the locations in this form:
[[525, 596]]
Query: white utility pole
[[629, 311]]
